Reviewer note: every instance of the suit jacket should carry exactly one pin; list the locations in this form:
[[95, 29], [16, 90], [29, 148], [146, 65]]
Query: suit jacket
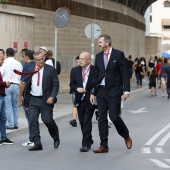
[[76, 81], [50, 85], [116, 75]]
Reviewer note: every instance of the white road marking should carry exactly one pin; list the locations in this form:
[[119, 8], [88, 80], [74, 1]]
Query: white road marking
[[168, 160], [157, 135], [164, 139], [159, 163], [159, 150], [146, 150], [139, 110]]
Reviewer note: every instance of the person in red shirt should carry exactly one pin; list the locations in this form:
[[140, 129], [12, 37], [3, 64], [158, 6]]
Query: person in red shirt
[[157, 68]]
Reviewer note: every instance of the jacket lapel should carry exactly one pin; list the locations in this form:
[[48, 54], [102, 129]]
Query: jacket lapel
[[112, 55], [80, 75], [101, 60], [90, 75], [44, 74]]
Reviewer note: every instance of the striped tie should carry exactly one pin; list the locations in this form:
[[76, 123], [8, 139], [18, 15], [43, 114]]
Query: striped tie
[[105, 60]]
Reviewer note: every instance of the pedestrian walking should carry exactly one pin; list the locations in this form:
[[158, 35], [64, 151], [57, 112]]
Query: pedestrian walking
[[73, 122], [162, 73], [81, 84], [139, 73], [152, 83], [29, 60], [110, 82], [41, 90]]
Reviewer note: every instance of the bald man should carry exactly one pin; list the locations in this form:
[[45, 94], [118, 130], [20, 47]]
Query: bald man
[[81, 85]]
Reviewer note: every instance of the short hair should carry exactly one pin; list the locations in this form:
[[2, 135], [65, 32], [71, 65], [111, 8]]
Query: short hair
[[38, 53], [24, 49], [107, 38], [130, 57], [29, 54], [2, 51], [77, 58], [10, 52]]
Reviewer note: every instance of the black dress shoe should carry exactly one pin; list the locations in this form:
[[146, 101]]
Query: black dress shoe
[[84, 149], [36, 148], [73, 123], [15, 127], [56, 143]]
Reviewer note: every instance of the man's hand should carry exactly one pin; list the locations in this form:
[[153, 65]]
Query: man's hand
[[81, 90], [92, 99], [126, 95], [7, 84], [50, 100], [22, 98]]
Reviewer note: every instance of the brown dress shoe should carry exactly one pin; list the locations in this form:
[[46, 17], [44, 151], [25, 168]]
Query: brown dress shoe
[[101, 150], [128, 142]]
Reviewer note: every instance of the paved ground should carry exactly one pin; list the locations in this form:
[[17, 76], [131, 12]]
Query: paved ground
[[146, 117], [63, 108]]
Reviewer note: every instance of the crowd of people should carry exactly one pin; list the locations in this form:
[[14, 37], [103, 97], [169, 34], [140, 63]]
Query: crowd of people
[[34, 80], [157, 71], [100, 88]]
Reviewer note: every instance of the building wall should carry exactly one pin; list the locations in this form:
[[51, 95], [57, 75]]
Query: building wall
[[37, 28], [153, 46], [158, 13], [164, 13]]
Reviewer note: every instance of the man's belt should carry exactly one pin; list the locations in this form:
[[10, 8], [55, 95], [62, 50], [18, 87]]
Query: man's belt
[[37, 96]]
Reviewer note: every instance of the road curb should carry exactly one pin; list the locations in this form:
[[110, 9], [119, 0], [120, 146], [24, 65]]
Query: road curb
[[20, 131]]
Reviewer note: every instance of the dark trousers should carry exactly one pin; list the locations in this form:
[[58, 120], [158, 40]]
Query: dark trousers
[[85, 115], [36, 107], [139, 79], [112, 105]]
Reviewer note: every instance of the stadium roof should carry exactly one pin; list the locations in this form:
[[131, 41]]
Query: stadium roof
[[139, 6]]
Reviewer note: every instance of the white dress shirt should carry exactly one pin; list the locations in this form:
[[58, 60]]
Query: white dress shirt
[[103, 81], [35, 89], [7, 68], [85, 78]]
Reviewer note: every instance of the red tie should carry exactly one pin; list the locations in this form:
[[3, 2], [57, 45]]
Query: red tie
[[30, 73], [26, 73], [38, 80]]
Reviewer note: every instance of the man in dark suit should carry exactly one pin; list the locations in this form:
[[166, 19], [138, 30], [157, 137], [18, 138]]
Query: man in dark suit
[[81, 85], [111, 82], [40, 94]]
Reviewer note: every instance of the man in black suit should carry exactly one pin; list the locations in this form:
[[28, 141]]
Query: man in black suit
[[40, 94], [81, 85], [111, 82]]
